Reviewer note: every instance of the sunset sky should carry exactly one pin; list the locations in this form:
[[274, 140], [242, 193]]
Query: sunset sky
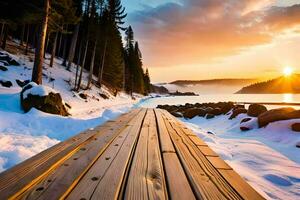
[[204, 39]]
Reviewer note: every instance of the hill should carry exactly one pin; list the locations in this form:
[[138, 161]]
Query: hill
[[290, 84], [215, 82]]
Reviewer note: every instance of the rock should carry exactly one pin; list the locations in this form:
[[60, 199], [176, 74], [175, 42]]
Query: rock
[[7, 84], [103, 96], [245, 120], [248, 124], [192, 112], [237, 111], [210, 116], [3, 68], [296, 127], [68, 105], [238, 106], [256, 109], [209, 132], [244, 128], [83, 96], [277, 115], [9, 60], [298, 145], [51, 103], [176, 114], [216, 111], [22, 83]]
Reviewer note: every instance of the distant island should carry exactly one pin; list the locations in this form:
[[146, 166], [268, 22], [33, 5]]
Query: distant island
[[230, 81], [283, 84]]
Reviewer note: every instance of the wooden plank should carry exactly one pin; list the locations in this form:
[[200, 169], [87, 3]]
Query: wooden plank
[[72, 169], [244, 189], [207, 151], [164, 138], [218, 163], [105, 177], [22, 177], [197, 141], [204, 178], [178, 185], [146, 177]]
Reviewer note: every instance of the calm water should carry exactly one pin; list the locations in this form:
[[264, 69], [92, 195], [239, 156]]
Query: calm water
[[203, 98]]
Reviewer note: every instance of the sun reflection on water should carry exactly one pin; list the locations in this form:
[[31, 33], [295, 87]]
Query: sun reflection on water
[[288, 98]]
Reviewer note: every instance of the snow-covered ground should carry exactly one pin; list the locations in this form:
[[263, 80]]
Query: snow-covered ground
[[23, 135], [267, 158]]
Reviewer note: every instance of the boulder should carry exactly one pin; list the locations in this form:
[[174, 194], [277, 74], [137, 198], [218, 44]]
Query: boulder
[[192, 112], [210, 116], [83, 96], [248, 124], [104, 96], [298, 145], [245, 120], [7, 84], [237, 111], [277, 115], [176, 114], [43, 99], [216, 111], [296, 127], [256, 109]]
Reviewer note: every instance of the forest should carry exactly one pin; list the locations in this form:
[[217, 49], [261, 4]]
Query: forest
[[86, 34]]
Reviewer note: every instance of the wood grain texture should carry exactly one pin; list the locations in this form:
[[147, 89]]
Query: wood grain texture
[[164, 137], [244, 189], [146, 177], [218, 163], [209, 184], [22, 177], [105, 177], [178, 185]]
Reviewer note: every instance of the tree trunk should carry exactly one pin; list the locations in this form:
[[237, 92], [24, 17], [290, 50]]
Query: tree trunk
[[78, 63], [47, 43], [64, 63], [100, 73], [27, 39], [53, 50], [73, 46], [39, 51], [92, 66], [2, 30], [60, 39], [82, 65], [22, 35], [5, 37]]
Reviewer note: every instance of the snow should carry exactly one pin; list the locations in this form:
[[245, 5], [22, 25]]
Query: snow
[[38, 90], [267, 158], [22, 135]]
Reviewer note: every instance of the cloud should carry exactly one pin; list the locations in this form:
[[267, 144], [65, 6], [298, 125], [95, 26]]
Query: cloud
[[199, 31]]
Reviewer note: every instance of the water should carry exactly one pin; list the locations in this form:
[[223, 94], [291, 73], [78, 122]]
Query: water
[[204, 98]]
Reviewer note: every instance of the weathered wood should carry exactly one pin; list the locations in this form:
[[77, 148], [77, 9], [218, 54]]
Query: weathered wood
[[57, 183], [105, 177], [205, 179], [165, 140], [146, 177], [20, 178], [244, 189], [145, 154], [179, 187]]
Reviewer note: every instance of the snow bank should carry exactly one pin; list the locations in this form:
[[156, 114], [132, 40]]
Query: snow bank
[[23, 135], [266, 158]]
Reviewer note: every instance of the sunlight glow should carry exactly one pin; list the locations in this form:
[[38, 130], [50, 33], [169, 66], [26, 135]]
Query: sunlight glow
[[288, 98], [287, 71]]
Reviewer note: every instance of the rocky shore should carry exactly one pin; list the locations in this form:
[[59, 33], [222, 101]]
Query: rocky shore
[[257, 115]]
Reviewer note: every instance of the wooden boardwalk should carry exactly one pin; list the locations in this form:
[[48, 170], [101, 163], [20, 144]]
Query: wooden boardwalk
[[144, 154]]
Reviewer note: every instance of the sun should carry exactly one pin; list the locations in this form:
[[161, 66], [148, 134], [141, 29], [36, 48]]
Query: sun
[[287, 71]]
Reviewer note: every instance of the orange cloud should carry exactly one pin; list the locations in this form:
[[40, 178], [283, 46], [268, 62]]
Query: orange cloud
[[198, 31]]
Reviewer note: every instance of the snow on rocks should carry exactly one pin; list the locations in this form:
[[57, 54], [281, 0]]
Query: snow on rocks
[[37, 90]]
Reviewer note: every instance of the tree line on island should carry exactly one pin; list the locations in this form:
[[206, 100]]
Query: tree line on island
[[86, 34]]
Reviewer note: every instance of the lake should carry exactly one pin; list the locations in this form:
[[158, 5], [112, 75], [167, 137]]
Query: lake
[[204, 98]]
